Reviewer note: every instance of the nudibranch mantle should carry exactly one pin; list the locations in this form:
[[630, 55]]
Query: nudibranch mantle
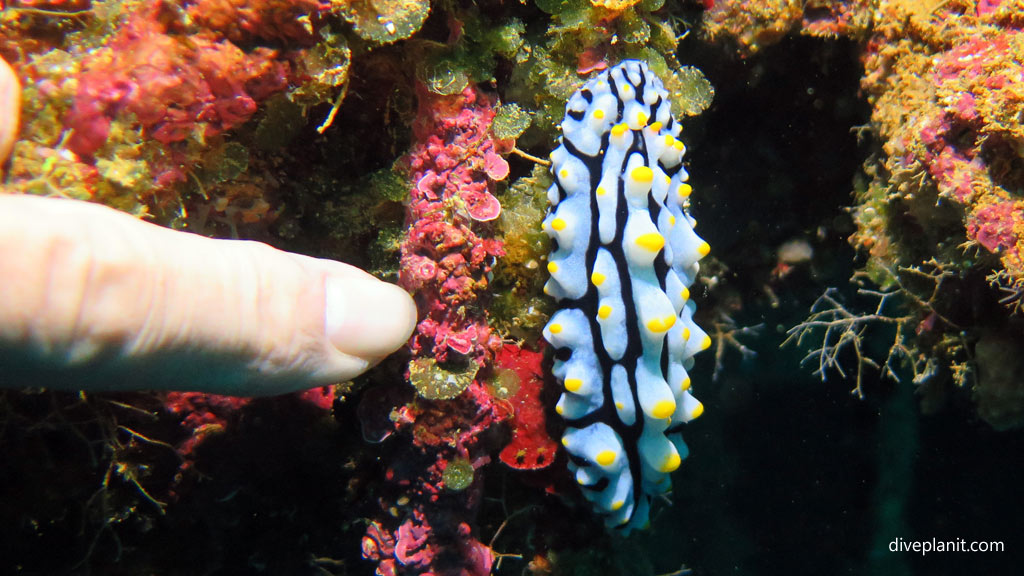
[[624, 256]]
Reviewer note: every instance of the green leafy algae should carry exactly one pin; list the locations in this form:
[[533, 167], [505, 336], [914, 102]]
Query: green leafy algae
[[387, 21], [518, 309], [443, 75], [327, 66], [282, 121], [458, 475], [510, 121], [434, 382]]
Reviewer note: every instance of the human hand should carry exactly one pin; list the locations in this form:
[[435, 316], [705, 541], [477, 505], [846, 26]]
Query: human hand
[[10, 109], [92, 298]]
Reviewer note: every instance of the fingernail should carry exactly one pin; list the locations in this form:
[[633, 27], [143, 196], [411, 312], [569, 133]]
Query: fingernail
[[366, 317]]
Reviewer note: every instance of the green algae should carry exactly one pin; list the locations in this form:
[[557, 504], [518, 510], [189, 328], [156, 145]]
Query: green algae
[[434, 382], [458, 475], [504, 384], [386, 21], [281, 122], [326, 66], [518, 308], [510, 121]]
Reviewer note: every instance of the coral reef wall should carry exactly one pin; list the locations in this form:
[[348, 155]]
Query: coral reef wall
[[872, 139]]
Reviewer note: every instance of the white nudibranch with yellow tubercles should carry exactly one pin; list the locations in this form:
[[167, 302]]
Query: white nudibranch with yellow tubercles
[[625, 254]]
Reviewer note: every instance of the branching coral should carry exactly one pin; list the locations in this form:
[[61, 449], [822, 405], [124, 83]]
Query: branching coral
[[726, 336], [910, 309], [845, 330]]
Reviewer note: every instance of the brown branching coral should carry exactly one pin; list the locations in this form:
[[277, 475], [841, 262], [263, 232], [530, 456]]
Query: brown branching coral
[[725, 334], [1012, 290], [923, 341], [845, 330]]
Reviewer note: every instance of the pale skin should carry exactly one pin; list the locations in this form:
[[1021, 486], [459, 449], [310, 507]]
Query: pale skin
[[95, 299]]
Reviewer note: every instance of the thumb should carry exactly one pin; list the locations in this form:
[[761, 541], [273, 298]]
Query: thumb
[[10, 109], [102, 300]]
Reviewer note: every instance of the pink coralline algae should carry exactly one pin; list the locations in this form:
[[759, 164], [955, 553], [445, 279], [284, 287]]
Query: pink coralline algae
[[432, 534], [285, 21], [947, 102], [408, 549], [425, 525], [445, 258], [970, 145], [173, 86], [202, 415], [992, 225]]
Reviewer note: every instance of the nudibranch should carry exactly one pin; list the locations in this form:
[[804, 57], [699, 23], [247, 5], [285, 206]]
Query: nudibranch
[[624, 256]]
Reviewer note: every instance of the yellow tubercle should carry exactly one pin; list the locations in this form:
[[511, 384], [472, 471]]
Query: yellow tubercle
[[697, 411], [678, 145], [652, 241], [620, 406], [565, 441], [604, 312], [563, 173], [642, 118], [669, 140], [659, 325], [573, 384], [559, 409], [552, 268], [686, 333], [605, 457], [597, 278], [685, 190], [619, 129], [558, 224], [685, 385], [555, 328], [617, 505], [663, 409], [600, 191], [704, 249], [656, 126], [685, 293], [643, 174], [599, 114], [705, 343], [671, 220], [671, 463]]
